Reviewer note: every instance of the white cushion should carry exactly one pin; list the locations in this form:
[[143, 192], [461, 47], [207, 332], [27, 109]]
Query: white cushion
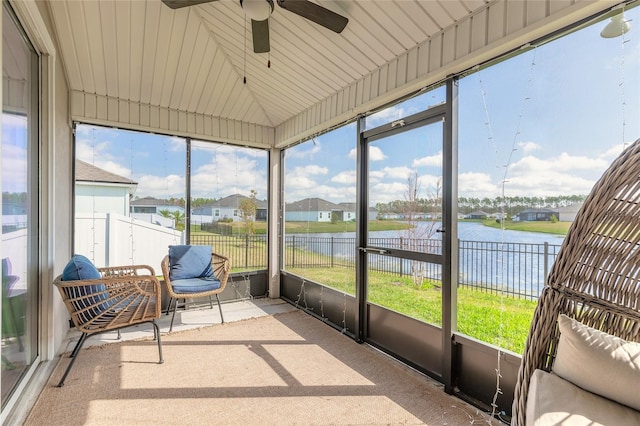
[[555, 401], [598, 362]]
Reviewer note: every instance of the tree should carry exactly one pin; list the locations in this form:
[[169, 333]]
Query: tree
[[249, 207], [416, 237], [178, 217], [165, 213]]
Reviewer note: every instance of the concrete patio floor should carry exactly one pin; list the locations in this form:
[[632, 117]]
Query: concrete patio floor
[[197, 316]]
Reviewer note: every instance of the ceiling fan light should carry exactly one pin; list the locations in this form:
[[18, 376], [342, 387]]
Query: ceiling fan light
[[258, 10], [617, 27]]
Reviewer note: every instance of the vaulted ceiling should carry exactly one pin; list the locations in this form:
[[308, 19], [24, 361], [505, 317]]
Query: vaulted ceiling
[[142, 56]]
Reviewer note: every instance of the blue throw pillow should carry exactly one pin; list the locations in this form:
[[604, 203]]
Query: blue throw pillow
[[81, 268], [189, 261]]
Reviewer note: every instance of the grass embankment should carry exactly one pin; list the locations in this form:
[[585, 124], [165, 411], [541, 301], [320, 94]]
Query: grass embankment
[[558, 228], [499, 320]]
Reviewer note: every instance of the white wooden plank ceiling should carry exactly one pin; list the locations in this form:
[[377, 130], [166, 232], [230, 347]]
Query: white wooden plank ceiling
[[194, 59], [141, 64]]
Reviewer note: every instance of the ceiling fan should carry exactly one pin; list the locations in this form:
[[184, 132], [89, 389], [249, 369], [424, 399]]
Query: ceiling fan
[[259, 11]]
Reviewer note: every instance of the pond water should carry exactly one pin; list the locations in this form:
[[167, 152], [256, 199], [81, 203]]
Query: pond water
[[514, 261], [469, 231]]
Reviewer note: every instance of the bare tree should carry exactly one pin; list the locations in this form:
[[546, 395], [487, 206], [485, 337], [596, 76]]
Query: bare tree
[[423, 217]]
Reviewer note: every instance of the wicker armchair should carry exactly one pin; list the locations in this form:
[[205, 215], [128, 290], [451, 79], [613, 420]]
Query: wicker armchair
[[595, 276], [194, 282], [124, 296]]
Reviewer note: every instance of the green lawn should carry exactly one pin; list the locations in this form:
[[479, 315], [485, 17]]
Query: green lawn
[[558, 228], [499, 320]]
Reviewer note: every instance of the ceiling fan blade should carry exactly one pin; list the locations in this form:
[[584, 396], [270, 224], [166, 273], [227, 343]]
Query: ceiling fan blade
[[177, 4], [260, 32], [316, 13]]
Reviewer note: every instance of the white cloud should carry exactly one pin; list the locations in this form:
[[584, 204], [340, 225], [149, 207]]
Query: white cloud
[[227, 174], [388, 191], [385, 116], [562, 163], [347, 177], [300, 179], [299, 152], [560, 175], [161, 186], [99, 155], [430, 186], [528, 147], [548, 184], [376, 176], [375, 154], [397, 172], [477, 185], [429, 161], [313, 169], [613, 152]]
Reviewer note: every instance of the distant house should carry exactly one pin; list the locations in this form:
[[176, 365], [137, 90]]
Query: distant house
[[477, 215], [148, 209], [348, 212], [313, 210], [153, 205], [532, 215], [100, 191], [227, 208], [568, 213]]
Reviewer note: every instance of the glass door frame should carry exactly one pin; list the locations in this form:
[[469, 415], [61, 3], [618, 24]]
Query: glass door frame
[[447, 113]]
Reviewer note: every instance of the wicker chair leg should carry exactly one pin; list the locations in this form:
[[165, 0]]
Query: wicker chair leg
[[156, 334], [175, 308], [173, 316], [74, 356], [210, 302], [220, 308], [169, 306], [76, 348]]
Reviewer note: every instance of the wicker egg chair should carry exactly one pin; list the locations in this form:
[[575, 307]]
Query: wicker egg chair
[[595, 276]]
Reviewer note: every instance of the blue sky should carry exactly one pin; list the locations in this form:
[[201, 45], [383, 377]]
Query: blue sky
[[550, 120]]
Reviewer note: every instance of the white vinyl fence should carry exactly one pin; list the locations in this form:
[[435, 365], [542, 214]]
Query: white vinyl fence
[[111, 240]]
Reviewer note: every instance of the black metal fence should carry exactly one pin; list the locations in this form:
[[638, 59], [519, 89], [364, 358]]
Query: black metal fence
[[518, 269]]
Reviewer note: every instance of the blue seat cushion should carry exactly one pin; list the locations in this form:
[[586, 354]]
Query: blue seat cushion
[[80, 267], [189, 261], [195, 285]]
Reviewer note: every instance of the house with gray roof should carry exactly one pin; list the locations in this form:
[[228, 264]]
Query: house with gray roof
[[531, 215], [100, 191], [312, 210], [226, 208], [153, 205], [568, 213], [149, 210]]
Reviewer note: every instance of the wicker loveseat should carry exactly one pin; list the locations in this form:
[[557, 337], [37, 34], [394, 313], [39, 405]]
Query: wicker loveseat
[[109, 298], [581, 364]]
